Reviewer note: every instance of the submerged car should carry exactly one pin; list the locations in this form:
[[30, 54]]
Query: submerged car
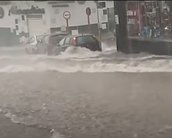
[[51, 41], [83, 40], [44, 44]]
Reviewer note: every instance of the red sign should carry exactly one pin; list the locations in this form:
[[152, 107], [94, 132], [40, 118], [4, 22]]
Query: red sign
[[66, 15], [88, 11]]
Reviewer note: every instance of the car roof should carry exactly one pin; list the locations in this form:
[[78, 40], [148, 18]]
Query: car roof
[[58, 33], [80, 35]]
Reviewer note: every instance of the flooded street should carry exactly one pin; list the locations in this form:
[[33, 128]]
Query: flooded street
[[87, 94], [85, 69], [9, 129], [90, 105], [14, 59]]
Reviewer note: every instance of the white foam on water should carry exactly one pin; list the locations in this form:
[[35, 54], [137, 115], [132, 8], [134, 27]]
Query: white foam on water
[[13, 118], [78, 52], [86, 67], [83, 60], [106, 47]]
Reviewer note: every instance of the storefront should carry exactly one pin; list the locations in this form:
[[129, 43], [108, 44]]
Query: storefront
[[145, 18], [148, 27]]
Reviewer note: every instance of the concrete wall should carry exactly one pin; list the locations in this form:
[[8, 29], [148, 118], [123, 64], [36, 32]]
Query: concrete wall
[[78, 14], [53, 17], [7, 21]]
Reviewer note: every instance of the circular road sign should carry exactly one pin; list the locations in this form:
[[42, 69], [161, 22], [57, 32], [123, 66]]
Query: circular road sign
[[66, 15], [88, 11]]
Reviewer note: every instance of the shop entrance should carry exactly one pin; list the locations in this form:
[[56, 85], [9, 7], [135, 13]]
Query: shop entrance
[[145, 25]]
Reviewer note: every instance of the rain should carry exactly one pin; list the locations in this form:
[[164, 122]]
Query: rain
[[85, 69]]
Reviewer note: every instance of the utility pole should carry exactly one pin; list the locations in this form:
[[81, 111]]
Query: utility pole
[[98, 20], [120, 12]]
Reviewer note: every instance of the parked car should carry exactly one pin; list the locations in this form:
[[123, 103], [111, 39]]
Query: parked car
[[52, 40], [83, 40], [42, 44]]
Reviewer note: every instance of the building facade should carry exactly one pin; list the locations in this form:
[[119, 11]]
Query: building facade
[[27, 18]]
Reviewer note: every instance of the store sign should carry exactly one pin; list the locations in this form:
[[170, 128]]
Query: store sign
[[1, 12], [32, 10], [81, 2]]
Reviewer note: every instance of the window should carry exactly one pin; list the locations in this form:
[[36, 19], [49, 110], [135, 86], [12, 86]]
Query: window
[[67, 41], [55, 39], [101, 4], [17, 27], [86, 39], [145, 20], [104, 12], [16, 21], [23, 17], [62, 42]]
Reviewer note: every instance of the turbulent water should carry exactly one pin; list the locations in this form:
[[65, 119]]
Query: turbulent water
[[80, 59], [73, 104]]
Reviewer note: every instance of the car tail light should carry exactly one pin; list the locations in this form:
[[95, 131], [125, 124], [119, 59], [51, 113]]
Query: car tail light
[[74, 41]]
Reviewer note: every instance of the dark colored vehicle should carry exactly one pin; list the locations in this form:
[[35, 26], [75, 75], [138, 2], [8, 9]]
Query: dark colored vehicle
[[87, 40], [43, 44], [51, 41]]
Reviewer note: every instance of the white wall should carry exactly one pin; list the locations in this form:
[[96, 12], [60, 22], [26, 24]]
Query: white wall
[[7, 21], [23, 25], [53, 17], [109, 4], [78, 14]]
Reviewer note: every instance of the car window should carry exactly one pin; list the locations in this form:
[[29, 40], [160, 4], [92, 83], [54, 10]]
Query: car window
[[86, 39], [62, 42], [67, 41], [55, 39]]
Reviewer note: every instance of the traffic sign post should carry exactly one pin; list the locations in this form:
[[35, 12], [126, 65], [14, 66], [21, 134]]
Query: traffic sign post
[[121, 25], [88, 12], [67, 16]]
